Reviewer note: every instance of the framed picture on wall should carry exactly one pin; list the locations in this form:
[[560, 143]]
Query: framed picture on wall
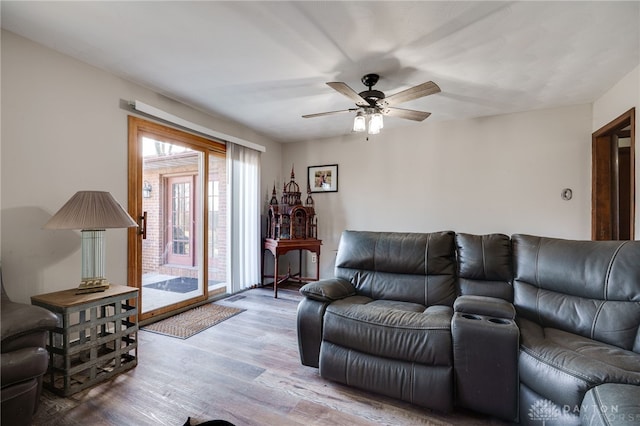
[[323, 178]]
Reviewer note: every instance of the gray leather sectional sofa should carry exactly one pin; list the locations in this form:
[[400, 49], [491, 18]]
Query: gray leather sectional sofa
[[528, 329]]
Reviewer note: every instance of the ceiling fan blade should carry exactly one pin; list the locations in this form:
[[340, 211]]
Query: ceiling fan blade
[[348, 92], [419, 91], [320, 114], [409, 114]]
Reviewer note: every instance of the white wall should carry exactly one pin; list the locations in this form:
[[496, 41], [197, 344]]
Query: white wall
[[494, 174], [64, 130], [618, 100]]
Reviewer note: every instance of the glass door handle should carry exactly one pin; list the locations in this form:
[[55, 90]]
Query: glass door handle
[[142, 225]]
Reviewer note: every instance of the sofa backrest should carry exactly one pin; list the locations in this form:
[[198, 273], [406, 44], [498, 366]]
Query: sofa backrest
[[410, 267], [591, 288], [485, 265]]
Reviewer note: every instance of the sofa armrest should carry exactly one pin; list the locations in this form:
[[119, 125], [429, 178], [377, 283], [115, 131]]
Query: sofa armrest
[[20, 319], [483, 305], [328, 290]]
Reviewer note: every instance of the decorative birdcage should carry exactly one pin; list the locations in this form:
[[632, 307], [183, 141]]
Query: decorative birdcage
[[288, 218]]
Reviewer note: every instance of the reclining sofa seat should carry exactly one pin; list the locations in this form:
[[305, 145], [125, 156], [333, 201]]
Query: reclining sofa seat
[[578, 308], [384, 322]]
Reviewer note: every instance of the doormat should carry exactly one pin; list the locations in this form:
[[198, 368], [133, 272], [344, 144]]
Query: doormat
[[178, 285], [193, 321]]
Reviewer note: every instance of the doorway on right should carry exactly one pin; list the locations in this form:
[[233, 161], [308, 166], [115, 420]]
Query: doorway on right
[[613, 179]]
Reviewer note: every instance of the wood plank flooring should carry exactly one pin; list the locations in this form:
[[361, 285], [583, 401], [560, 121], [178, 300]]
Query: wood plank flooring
[[245, 370]]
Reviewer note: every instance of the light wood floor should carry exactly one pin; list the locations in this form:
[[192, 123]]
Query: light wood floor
[[245, 370]]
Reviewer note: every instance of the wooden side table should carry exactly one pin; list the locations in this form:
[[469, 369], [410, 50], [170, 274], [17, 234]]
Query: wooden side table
[[281, 246], [96, 337]]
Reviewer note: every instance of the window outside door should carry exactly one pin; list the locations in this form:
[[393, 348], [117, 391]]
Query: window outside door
[[181, 199]]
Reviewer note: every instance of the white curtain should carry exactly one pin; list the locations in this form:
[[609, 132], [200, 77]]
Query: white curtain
[[243, 169]]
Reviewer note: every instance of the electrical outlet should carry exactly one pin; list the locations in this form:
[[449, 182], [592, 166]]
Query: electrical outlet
[[314, 258]]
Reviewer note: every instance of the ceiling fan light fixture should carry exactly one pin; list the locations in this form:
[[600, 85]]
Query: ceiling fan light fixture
[[359, 122], [375, 123], [372, 104]]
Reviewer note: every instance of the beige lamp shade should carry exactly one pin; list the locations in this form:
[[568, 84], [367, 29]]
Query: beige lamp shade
[[91, 210]]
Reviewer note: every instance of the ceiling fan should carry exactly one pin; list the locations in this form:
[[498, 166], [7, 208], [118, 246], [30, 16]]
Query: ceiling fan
[[373, 104]]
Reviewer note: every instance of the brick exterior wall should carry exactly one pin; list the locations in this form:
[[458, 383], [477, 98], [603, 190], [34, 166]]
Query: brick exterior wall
[[155, 247]]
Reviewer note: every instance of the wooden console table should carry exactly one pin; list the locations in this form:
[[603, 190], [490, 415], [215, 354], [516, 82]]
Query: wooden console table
[[96, 336], [281, 246]]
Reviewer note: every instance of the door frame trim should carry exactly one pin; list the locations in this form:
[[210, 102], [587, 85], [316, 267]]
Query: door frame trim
[[602, 220]]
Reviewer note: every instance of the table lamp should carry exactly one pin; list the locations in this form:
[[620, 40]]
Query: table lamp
[[92, 212]]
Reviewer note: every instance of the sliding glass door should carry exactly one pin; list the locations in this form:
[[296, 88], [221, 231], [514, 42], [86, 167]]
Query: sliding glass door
[[177, 181], [217, 214]]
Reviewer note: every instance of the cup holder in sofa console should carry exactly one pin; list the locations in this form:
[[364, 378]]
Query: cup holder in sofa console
[[471, 317], [499, 321]]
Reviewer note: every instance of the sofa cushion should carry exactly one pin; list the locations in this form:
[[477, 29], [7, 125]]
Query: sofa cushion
[[396, 330], [485, 265], [563, 366], [328, 290], [482, 305], [397, 252], [590, 288], [409, 267], [426, 290]]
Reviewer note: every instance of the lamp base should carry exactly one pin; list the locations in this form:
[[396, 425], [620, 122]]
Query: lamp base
[[92, 286]]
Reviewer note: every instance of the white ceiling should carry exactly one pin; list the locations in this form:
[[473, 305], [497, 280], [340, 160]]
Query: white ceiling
[[264, 64]]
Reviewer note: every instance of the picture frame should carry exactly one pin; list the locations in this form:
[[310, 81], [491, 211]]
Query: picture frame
[[323, 178]]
